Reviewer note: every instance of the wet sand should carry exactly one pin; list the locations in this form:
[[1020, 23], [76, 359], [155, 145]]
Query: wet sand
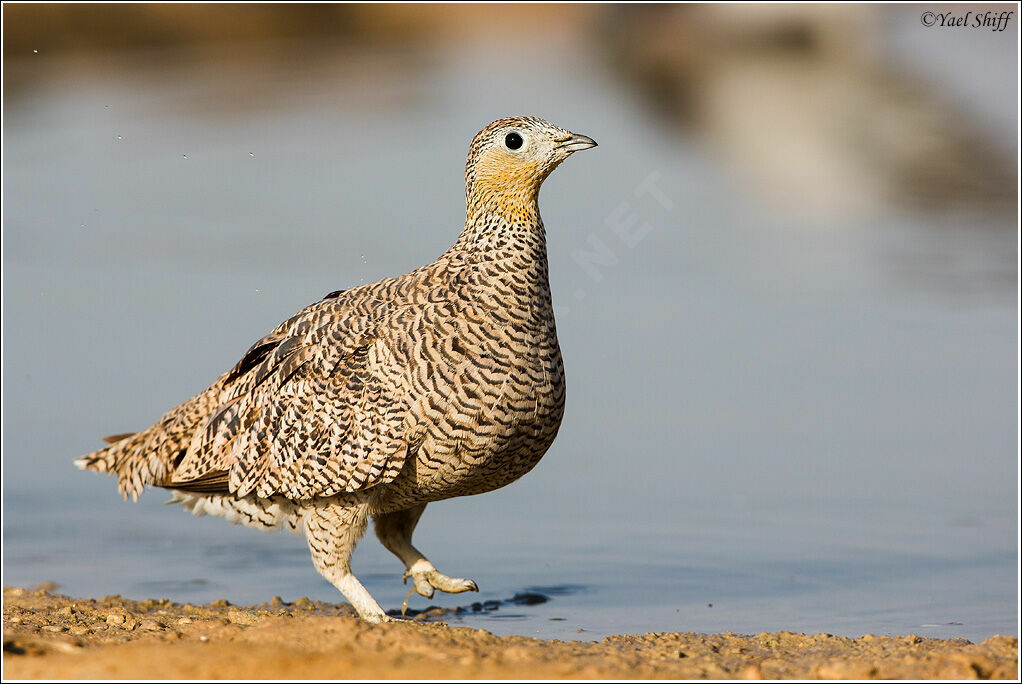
[[47, 635]]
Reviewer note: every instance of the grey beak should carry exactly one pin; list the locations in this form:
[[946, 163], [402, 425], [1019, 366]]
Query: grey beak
[[575, 143]]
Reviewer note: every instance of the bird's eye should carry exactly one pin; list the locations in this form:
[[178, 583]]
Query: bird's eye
[[513, 141]]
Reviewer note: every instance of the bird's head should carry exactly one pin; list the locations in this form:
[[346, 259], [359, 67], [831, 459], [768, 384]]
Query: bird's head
[[509, 160]]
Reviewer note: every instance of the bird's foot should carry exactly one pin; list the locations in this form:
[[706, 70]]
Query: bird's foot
[[424, 582], [375, 618], [426, 579]]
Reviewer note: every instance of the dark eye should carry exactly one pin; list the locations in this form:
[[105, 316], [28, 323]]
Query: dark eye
[[513, 141]]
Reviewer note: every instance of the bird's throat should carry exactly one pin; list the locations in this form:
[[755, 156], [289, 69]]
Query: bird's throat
[[506, 227]]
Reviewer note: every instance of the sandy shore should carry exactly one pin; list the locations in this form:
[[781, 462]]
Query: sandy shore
[[47, 635]]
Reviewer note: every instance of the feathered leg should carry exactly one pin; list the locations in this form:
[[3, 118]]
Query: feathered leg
[[332, 531], [395, 532]]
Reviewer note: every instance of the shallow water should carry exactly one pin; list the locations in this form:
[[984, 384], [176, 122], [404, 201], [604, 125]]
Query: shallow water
[[771, 423]]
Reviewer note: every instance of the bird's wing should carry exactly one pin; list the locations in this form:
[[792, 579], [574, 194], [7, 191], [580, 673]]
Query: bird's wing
[[315, 408]]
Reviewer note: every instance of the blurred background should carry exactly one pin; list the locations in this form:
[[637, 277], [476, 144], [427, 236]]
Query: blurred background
[[785, 283]]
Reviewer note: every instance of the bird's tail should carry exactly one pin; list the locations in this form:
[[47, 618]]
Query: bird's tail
[[120, 458], [148, 457], [104, 460]]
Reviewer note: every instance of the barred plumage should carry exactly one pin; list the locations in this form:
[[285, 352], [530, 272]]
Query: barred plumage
[[376, 400]]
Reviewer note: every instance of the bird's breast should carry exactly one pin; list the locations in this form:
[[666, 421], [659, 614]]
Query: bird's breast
[[497, 405]]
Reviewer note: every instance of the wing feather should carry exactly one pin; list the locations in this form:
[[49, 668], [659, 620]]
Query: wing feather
[[307, 416]]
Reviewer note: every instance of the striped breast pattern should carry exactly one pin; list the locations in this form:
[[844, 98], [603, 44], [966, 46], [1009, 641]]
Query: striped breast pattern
[[488, 378]]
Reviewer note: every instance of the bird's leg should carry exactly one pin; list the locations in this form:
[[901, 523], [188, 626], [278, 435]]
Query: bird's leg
[[395, 532], [332, 532]]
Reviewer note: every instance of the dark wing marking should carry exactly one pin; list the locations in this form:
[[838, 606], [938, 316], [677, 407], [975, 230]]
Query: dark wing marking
[[213, 482], [314, 415]]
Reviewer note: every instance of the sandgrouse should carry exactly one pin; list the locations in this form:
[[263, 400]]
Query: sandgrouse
[[376, 400]]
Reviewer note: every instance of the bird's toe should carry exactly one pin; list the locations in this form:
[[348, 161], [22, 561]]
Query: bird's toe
[[451, 585], [375, 619], [423, 586]]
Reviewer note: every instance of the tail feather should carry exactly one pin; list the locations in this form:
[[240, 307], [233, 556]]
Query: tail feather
[[100, 461], [149, 457], [104, 460], [120, 436], [117, 459]]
